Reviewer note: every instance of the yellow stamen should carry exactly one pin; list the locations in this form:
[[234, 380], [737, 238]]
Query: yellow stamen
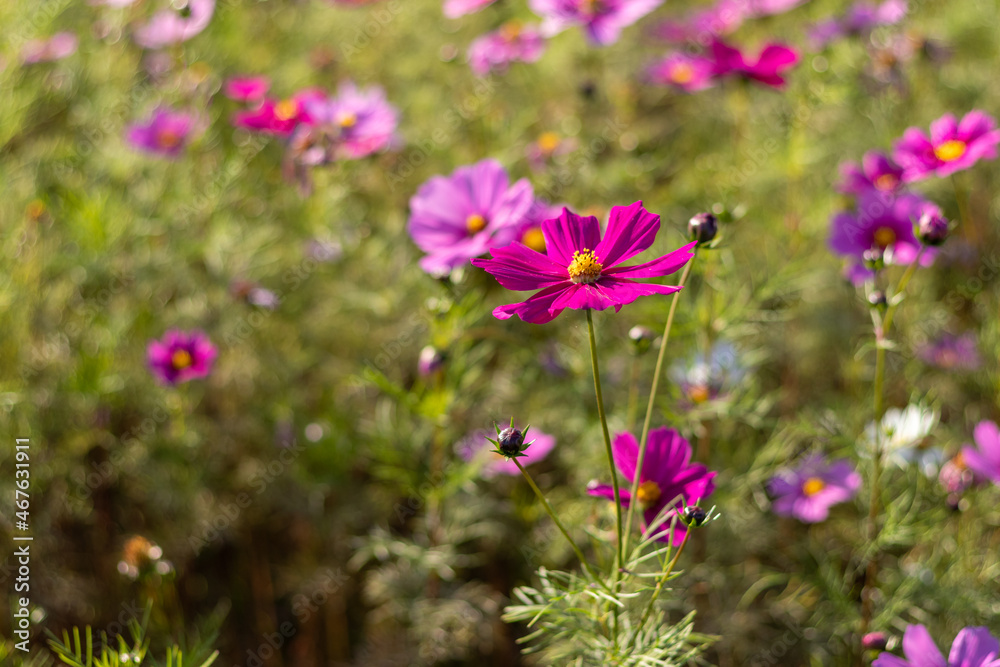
[[585, 268], [699, 393], [347, 120], [884, 237], [286, 109], [475, 223], [681, 73], [548, 142], [959, 461], [648, 493], [812, 486], [181, 359], [950, 150], [510, 30], [534, 239], [886, 182]]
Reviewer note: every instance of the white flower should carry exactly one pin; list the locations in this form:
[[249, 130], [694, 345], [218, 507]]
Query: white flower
[[901, 435]]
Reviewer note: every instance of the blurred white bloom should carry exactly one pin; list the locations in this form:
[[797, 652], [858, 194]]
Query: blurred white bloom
[[901, 436]]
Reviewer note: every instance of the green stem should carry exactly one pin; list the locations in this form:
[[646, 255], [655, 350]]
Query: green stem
[[607, 439], [643, 440], [559, 525], [659, 585]]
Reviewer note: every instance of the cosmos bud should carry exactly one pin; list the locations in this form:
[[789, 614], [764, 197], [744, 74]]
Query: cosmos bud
[[702, 228], [932, 228], [874, 641], [693, 516]]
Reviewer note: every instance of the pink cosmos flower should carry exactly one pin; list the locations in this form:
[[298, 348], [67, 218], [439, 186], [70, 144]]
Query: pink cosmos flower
[[952, 353], [181, 356], [877, 172], [951, 146], [760, 8], [973, 647], [984, 458], [773, 60], [181, 22], [279, 117], [165, 133], [602, 20], [476, 445], [355, 123], [494, 51], [807, 492], [455, 8], [56, 47], [668, 480], [579, 268], [861, 18], [529, 232], [680, 70], [458, 217], [247, 89], [722, 18]]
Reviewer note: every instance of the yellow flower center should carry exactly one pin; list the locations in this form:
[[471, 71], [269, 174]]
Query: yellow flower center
[[812, 486], [168, 139], [347, 119], [475, 223], [698, 393], [884, 237], [286, 109], [648, 493], [181, 359], [959, 461], [510, 30], [681, 73], [534, 239], [886, 182], [548, 142], [950, 150], [585, 268]]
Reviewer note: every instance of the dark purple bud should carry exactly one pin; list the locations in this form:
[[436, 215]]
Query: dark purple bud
[[693, 516], [932, 228], [702, 228], [509, 441], [874, 641]]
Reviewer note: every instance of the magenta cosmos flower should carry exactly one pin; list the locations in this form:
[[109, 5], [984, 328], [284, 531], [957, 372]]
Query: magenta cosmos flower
[[247, 88], [494, 51], [668, 479], [807, 492], [952, 146], [279, 117], [182, 21], [881, 223], [579, 268], [984, 458], [165, 133], [973, 647], [56, 47], [772, 62], [877, 172], [458, 217], [181, 356], [680, 70], [476, 445], [455, 8], [357, 122], [602, 20]]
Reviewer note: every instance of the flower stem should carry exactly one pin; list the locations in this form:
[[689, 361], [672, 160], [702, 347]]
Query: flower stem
[[643, 440], [659, 585], [607, 440], [559, 525]]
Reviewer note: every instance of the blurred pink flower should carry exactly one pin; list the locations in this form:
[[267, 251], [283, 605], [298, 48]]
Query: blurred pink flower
[[494, 51], [688, 73], [181, 356], [602, 20], [181, 22], [165, 133], [475, 446], [455, 8], [279, 117], [247, 89], [355, 123], [56, 47], [808, 491], [952, 146], [773, 60]]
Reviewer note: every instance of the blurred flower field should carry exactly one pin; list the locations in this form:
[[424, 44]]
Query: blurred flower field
[[500, 332]]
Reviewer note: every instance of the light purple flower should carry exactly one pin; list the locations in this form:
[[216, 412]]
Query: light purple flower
[[952, 353], [602, 20], [247, 89], [760, 8], [720, 19], [952, 146], [984, 458], [861, 18], [182, 21], [683, 71], [668, 479], [580, 268], [357, 122], [458, 217], [494, 51], [808, 491], [476, 446], [877, 172], [181, 356], [165, 133], [881, 223], [973, 647], [56, 47], [455, 8], [529, 232]]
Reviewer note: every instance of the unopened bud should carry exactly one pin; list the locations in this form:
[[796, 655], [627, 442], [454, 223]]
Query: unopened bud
[[932, 228], [702, 228], [693, 516]]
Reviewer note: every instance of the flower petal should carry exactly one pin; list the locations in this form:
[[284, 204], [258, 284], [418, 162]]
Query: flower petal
[[608, 491], [625, 450], [973, 647], [661, 266], [920, 649], [569, 233], [631, 229], [518, 267], [536, 310]]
